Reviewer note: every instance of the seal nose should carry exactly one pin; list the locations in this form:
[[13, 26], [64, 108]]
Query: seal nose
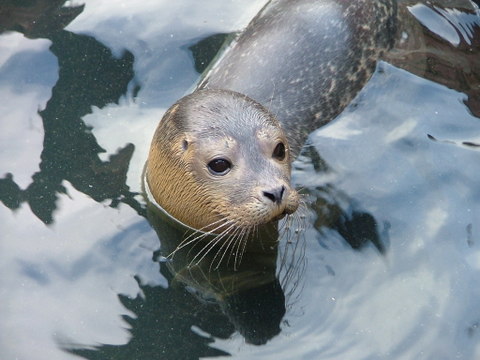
[[275, 195]]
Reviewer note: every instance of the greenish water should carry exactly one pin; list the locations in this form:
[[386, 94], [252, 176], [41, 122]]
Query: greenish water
[[390, 259]]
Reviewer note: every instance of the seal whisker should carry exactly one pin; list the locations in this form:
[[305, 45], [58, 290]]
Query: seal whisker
[[292, 254], [232, 237], [261, 239], [293, 262], [302, 212], [233, 241], [192, 238], [211, 232], [226, 244], [234, 248], [209, 246], [298, 256], [284, 225], [257, 233], [244, 240], [227, 235], [295, 222], [241, 244]]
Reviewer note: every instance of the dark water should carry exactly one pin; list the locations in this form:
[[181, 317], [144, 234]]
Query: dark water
[[80, 266]]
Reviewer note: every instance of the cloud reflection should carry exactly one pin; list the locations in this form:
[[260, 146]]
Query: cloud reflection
[[61, 283]]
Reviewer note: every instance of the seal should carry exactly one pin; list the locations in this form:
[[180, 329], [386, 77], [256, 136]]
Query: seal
[[220, 159]]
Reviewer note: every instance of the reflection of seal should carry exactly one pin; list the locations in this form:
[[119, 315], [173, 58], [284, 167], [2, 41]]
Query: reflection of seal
[[251, 291], [218, 159]]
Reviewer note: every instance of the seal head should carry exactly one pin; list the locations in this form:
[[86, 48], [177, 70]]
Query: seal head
[[219, 161]]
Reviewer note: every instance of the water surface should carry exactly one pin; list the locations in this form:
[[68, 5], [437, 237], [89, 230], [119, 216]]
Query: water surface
[[396, 277]]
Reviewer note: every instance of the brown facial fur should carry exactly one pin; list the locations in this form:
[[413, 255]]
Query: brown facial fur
[[211, 124]]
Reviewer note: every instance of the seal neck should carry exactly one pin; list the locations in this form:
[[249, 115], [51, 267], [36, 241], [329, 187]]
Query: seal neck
[[164, 213]]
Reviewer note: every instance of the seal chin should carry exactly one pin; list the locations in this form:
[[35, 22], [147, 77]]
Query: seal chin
[[290, 208], [280, 217], [285, 212]]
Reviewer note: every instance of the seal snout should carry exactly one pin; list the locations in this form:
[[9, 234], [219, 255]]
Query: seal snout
[[278, 202], [275, 195]]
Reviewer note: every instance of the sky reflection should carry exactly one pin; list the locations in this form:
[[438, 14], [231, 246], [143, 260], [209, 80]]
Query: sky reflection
[[398, 153]]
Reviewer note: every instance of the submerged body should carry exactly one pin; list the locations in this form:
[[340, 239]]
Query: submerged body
[[220, 159]]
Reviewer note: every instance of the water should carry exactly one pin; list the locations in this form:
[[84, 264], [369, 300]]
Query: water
[[81, 272]]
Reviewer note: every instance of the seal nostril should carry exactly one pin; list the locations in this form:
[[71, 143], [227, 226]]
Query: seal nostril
[[269, 195], [275, 195]]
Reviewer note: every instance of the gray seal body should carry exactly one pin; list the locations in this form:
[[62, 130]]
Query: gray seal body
[[220, 158], [305, 60]]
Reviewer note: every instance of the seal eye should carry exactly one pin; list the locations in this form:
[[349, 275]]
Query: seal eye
[[279, 151], [219, 166]]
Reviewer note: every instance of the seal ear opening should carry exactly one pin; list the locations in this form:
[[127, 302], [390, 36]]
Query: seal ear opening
[[185, 144]]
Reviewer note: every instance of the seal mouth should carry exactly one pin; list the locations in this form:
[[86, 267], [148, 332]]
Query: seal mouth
[[280, 216]]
